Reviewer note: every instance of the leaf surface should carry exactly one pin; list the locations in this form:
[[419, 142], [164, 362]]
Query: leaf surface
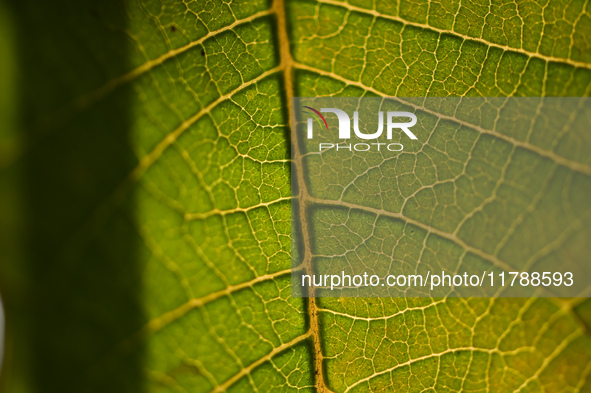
[[159, 182]]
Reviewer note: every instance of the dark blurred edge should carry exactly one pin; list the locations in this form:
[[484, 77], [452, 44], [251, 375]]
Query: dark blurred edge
[[74, 295]]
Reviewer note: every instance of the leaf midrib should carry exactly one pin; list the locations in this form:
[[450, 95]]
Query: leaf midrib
[[287, 63]]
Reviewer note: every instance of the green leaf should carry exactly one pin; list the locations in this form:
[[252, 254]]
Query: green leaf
[[145, 196]]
